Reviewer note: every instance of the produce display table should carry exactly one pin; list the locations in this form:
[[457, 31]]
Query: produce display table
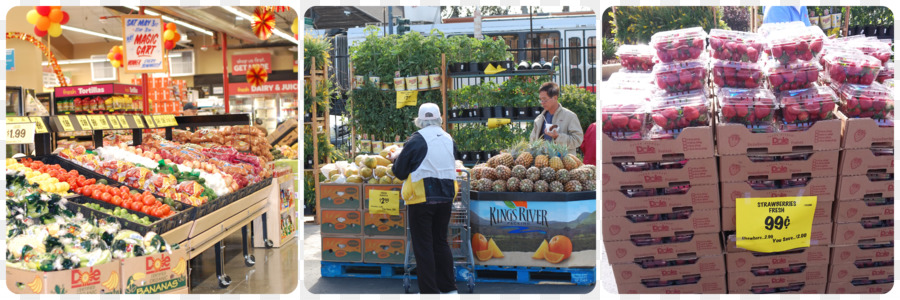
[[281, 214]]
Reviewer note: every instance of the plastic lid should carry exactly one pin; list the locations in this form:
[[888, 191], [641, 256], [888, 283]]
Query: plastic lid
[[739, 36], [675, 35], [768, 28], [734, 96], [816, 93], [736, 65], [875, 91], [679, 65], [631, 81], [690, 98], [889, 83], [773, 67], [863, 61], [631, 102], [637, 50], [619, 96]]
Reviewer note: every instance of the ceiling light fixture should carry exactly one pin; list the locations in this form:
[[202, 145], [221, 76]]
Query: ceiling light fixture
[[94, 33], [276, 31], [170, 19]]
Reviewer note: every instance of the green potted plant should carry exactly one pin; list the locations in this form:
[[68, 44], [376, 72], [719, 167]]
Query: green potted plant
[[317, 47]]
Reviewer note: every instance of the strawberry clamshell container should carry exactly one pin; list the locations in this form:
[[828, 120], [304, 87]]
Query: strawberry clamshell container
[[867, 101], [854, 69], [796, 44], [680, 76], [679, 45], [734, 74], [635, 81], [672, 112], [636, 57], [791, 77], [624, 116], [754, 108], [802, 108], [735, 45]]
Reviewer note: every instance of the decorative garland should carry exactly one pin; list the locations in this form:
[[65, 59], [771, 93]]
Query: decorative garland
[[50, 57]]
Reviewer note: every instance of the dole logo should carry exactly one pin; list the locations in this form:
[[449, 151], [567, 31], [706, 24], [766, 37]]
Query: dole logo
[[884, 254], [888, 211], [614, 230], [734, 169], [658, 228], [666, 250], [153, 265], [660, 203], [89, 277], [891, 187], [626, 274], [779, 194], [855, 163], [779, 169], [873, 290], [621, 252], [779, 260], [734, 140], [854, 188], [609, 205], [780, 140], [859, 135], [669, 272], [778, 280], [887, 232], [645, 149], [652, 178], [851, 212], [877, 272]]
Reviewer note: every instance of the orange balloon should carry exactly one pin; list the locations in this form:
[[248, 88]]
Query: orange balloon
[[177, 37], [118, 49], [171, 26], [55, 15], [56, 7], [43, 23], [111, 55]]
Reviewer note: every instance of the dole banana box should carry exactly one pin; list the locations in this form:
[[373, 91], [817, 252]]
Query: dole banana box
[[620, 202], [161, 273], [384, 250], [778, 166], [692, 142], [696, 171], [735, 139], [340, 196], [384, 224], [337, 222], [342, 249], [99, 279]]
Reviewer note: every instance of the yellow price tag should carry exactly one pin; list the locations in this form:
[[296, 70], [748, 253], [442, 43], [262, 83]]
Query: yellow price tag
[[66, 123], [20, 133], [123, 122], [774, 224], [17, 120], [407, 98], [172, 121], [150, 123], [99, 122], [384, 202], [138, 121], [39, 126], [114, 122], [84, 122]]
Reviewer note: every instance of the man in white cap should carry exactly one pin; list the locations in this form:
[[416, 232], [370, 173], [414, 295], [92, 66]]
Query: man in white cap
[[428, 170]]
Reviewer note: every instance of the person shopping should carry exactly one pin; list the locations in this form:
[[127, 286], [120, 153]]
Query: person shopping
[[428, 170], [556, 124]]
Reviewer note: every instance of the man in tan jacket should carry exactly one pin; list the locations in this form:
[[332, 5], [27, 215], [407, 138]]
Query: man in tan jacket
[[556, 123]]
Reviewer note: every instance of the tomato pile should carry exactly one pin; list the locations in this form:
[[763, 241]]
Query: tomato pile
[[127, 198]]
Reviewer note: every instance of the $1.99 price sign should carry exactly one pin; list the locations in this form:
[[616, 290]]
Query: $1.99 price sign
[[774, 224], [20, 133], [384, 202]]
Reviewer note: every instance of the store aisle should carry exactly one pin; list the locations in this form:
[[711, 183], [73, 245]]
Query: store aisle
[[275, 271]]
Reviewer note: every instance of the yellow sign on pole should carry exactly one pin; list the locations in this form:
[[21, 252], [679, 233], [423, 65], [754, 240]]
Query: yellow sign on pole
[[384, 202], [407, 98], [774, 224]]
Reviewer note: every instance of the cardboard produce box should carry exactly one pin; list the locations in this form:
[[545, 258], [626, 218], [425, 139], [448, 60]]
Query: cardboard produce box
[[856, 210], [734, 139], [822, 215], [824, 188], [853, 233], [692, 142], [849, 271], [282, 130], [706, 284], [695, 172], [847, 287], [367, 188], [697, 221], [861, 161], [697, 244], [820, 235], [384, 250], [162, 273], [744, 261], [802, 272], [863, 252], [700, 197], [340, 196], [634, 272], [341, 222], [384, 224], [99, 279], [796, 287], [859, 187], [864, 133], [342, 249], [741, 168]]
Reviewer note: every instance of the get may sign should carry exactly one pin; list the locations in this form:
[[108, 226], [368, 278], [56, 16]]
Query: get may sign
[[143, 44]]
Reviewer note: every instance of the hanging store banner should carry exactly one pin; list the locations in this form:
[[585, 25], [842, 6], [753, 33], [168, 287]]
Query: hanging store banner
[[143, 44], [774, 224], [241, 63], [270, 87]]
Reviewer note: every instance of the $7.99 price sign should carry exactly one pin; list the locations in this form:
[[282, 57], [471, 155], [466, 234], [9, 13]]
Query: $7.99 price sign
[[774, 224]]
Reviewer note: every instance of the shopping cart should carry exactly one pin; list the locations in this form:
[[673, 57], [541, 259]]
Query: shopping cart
[[459, 238]]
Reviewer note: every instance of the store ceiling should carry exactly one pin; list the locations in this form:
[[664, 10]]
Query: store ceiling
[[214, 18], [328, 17]]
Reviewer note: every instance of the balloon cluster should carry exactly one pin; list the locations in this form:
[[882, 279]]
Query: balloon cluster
[[257, 75], [47, 19], [50, 57], [115, 56], [295, 28], [263, 22], [170, 36]]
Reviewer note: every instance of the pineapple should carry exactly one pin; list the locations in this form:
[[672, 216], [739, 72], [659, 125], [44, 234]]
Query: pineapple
[[541, 161], [548, 174], [512, 184], [489, 173], [485, 184], [573, 186], [563, 175], [533, 173], [494, 161], [526, 185], [499, 185], [541, 186], [525, 159], [539, 151], [518, 171], [507, 160], [557, 187], [589, 185], [556, 153], [477, 172], [476, 185], [503, 172], [571, 161], [579, 174]]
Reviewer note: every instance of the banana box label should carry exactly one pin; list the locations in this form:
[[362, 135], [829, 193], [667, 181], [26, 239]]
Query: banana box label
[[155, 274], [99, 279]]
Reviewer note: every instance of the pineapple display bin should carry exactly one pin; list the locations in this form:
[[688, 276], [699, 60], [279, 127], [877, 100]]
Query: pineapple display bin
[[553, 230]]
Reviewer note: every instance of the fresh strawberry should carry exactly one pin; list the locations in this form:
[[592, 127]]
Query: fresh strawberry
[[761, 111], [670, 113], [660, 120], [865, 103], [741, 111], [691, 113], [803, 116], [752, 54], [728, 111], [619, 120], [634, 124]]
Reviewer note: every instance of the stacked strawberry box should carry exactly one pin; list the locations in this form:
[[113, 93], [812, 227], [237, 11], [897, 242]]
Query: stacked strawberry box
[[863, 254], [660, 182]]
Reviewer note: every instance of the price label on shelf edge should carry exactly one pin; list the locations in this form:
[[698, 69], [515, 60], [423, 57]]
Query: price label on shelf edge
[[84, 122], [114, 122], [138, 121], [385, 202], [17, 120], [20, 133], [123, 121], [66, 123], [172, 121], [39, 126], [99, 122], [150, 123], [774, 224]]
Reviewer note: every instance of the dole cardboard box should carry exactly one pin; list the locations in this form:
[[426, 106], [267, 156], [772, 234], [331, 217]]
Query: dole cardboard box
[[671, 221], [340, 196], [384, 224], [663, 247], [863, 133], [824, 188], [861, 161], [847, 287], [695, 171], [869, 251], [802, 272], [745, 261], [157, 274], [879, 230], [820, 235], [618, 203], [687, 284], [855, 211], [692, 142], [734, 139], [384, 250], [742, 168], [341, 222], [99, 279], [342, 249], [822, 215], [368, 188], [675, 269], [859, 187], [849, 271], [796, 287]]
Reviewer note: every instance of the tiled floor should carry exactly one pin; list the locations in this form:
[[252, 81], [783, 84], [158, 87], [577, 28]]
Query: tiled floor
[[275, 271]]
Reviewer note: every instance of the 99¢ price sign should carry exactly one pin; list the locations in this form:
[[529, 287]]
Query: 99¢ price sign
[[774, 224]]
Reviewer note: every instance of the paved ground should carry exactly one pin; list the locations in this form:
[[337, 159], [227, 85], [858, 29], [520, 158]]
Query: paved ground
[[275, 271]]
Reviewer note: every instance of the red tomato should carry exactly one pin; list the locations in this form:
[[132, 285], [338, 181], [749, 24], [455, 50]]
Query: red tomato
[[91, 181], [164, 210], [126, 204], [148, 200], [117, 201], [146, 210], [106, 197], [137, 197], [125, 190], [96, 194], [137, 206], [78, 190]]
